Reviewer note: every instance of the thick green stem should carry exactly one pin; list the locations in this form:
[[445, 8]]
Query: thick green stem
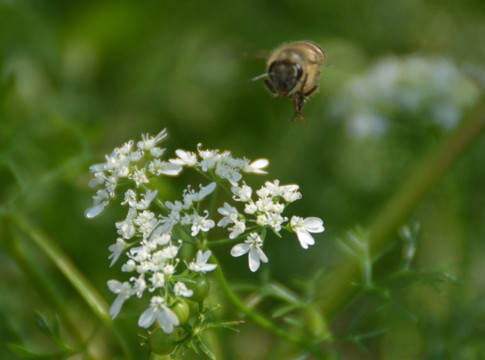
[[90, 295], [253, 315], [393, 214]]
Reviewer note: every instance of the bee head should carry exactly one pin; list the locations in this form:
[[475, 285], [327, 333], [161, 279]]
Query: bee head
[[284, 77]]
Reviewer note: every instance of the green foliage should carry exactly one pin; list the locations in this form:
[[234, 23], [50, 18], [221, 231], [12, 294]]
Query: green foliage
[[77, 78]]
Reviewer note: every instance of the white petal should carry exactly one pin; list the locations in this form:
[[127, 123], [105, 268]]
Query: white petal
[[208, 267], [167, 319], [262, 255], [257, 166], [171, 169], [206, 190], [114, 286], [95, 210], [95, 182], [202, 257], [97, 167], [147, 318], [313, 224], [239, 250], [305, 239], [253, 260], [116, 306]]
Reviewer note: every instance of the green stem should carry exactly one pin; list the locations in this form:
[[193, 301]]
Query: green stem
[[221, 242], [393, 214], [88, 292], [251, 314]]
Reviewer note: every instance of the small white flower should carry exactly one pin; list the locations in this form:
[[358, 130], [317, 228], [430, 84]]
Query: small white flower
[[159, 237], [250, 208], [139, 254], [237, 229], [139, 285], [201, 223], [160, 312], [290, 192], [116, 250], [208, 154], [303, 228], [148, 197], [157, 152], [257, 166], [157, 280], [139, 177], [230, 214], [242, 193], [99, 177], [129, 266], [206, 191], [200, 264], [124, 292], [149, 142], [158, 167], [225, 171], [169, 252], [126, 229], [262, 220], [191, 196], [135, 156], [130, 198], [185, 158], [275, 220], [101, 200], [180, 289], [251, 245], [146, 222], [168, 269]]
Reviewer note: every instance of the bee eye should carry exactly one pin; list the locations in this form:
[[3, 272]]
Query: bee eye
[[299, 71]]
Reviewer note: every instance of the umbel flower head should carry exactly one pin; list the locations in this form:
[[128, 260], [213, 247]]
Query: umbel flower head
[[154, 231]]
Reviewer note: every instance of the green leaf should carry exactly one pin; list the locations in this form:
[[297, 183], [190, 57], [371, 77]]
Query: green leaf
[[283, 292], [205, 348], [348, 250], [22, 351], [43, 324]]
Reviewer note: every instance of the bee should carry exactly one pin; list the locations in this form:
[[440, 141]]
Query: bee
[[292, 70]]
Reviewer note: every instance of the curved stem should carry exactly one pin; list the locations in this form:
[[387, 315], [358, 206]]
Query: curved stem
[[251, 314]]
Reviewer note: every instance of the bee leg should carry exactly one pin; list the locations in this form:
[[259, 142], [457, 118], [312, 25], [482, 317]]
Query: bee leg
[[300, 101], [310, 91], [269, 86]]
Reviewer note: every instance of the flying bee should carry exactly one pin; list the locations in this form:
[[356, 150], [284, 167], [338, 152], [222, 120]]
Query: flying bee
[[292, 71]]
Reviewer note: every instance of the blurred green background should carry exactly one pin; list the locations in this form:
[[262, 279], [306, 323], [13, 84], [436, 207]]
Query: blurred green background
[[78, 78]]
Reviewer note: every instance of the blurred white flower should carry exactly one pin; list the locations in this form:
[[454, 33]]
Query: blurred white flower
[[180, 289], [158, 311], [116, 250], [200, 264], [124, 292], [414, 86]]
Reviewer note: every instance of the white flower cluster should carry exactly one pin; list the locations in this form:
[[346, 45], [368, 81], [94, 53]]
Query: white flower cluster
[[146, 236], [267, 210], [122, 164], [413, 86]]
